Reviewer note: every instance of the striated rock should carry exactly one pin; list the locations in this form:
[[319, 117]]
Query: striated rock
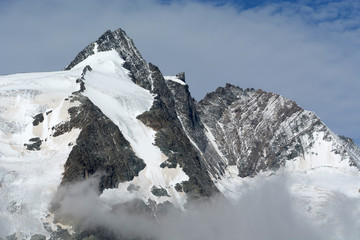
[[257, 130], [188, 115]]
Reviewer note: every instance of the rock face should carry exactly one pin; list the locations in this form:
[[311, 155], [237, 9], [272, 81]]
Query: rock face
[[100, 147], [192, 124], [259, 131], [173, 141], [34, 145]]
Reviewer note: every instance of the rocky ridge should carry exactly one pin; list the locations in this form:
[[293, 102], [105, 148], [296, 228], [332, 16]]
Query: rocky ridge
[[260, 131]]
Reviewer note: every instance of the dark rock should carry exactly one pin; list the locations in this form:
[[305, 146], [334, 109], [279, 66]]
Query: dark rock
[[82, 86], [134, 208], [35, 146], [173, 141], [81, 80], [39, 118], [48, 112], [100, 147], [133, 187], [60, 234], [47, 227], [162, 209], [86, 52], [96, 233], [159, 192], [35, 139], [170, 163], [181, 76], [186, 111], [86, 69], [38, 237], [178, 187]]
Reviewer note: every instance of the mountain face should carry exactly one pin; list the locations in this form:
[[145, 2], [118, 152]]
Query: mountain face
[[112, 123]]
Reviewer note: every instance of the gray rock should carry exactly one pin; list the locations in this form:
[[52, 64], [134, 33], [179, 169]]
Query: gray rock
[[181, 76], [35, 145], [173, 141], [39, 118], [133, 187], [38, 237], [178, 187], [100, 147], [159, 192]]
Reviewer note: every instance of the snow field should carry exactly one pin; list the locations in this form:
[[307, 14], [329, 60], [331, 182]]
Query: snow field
[[29, 179]]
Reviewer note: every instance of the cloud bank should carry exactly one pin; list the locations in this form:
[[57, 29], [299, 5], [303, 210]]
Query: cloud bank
[[307, 51], [266, 210]]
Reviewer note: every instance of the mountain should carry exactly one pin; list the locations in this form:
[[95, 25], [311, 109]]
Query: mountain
[[110, 136]]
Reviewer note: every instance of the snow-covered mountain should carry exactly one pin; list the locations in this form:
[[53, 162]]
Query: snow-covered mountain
[[111, 122]]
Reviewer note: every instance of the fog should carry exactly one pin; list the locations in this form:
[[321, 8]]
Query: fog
[[265, 210]]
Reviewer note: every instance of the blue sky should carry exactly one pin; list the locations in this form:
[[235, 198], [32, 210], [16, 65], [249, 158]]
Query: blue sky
[[308, 51]]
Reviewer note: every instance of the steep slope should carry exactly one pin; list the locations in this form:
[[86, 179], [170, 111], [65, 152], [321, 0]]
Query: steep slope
[[193, 126], [259, 131]]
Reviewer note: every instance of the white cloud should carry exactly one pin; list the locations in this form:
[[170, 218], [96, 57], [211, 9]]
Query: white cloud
[[265, 210], [308, 54]]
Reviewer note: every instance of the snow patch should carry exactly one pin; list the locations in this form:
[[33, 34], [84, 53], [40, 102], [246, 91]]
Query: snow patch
[[174, 79]]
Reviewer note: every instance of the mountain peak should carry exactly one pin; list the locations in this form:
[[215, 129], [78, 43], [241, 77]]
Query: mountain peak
[[116, 40], [119, 42]]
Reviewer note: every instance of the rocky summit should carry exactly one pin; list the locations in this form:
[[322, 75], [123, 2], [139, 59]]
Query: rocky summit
[[109, 148]]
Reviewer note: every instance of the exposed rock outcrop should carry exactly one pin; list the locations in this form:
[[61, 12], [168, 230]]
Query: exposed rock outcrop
[[173, 141], [100, 147], [257, 130]]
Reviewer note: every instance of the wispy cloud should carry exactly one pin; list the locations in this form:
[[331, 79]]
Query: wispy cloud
[[307, 51]]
